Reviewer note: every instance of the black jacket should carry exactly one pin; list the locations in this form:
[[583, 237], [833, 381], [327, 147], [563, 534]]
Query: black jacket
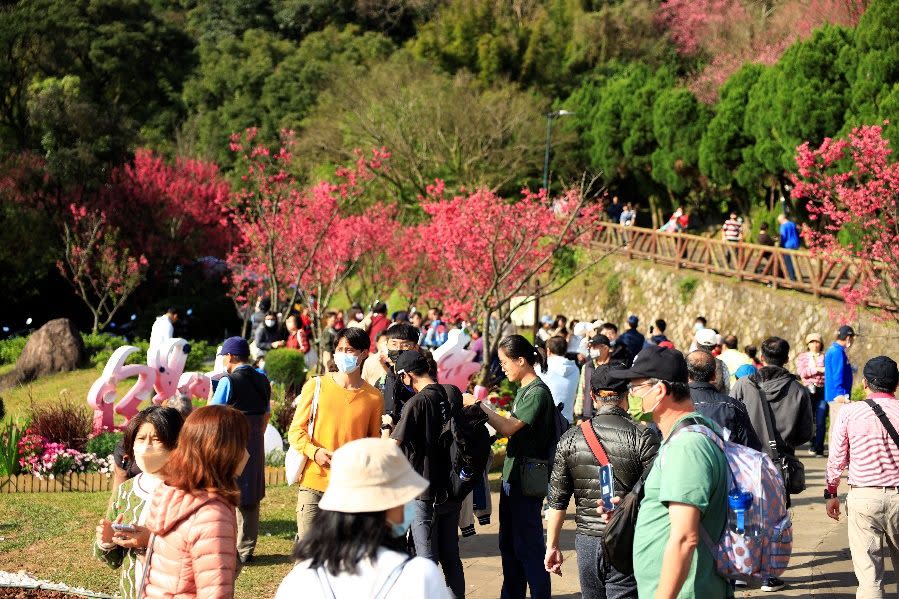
[[631, 448], [726, 412], [789, 400]]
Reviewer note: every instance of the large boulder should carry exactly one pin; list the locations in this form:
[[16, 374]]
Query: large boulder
[[55, 347]]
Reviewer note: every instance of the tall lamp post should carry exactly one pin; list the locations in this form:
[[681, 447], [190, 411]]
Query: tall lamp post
[[550, 117]]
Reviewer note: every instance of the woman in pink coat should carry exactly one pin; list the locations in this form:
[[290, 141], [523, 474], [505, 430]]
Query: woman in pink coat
[[193, 550]]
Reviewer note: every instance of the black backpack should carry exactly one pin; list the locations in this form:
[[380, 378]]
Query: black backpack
[[466, 444]]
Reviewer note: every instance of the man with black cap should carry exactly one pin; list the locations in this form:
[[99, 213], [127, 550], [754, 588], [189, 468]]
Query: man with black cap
[[599, 350], [249, 391], [435, 523], [838, 372], [864, 438], [688, 493], [630, 449]]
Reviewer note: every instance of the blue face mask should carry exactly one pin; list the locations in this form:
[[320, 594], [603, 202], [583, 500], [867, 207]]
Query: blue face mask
[[345, 362], [400, 530]]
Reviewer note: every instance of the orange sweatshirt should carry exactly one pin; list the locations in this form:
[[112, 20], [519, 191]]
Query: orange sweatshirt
[[343, 416]]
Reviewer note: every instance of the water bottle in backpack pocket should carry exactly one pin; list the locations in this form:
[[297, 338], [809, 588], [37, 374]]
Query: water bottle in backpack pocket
[[757, 539]]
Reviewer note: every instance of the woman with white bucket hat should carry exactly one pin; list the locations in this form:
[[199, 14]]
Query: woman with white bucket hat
[[356, 546]]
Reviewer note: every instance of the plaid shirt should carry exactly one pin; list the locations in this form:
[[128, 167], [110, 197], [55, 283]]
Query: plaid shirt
[[860, 441]]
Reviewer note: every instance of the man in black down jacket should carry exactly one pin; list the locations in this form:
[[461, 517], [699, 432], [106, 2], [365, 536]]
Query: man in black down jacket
[[721, 409], [631, 449]]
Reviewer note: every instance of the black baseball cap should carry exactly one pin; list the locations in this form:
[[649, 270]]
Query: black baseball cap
[[655, 362], [599, 339], [845, 331], [882, 371], [602, 379], [410, 360]]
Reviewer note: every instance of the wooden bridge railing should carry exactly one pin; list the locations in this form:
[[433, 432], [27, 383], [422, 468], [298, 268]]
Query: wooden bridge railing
[[778, 267]]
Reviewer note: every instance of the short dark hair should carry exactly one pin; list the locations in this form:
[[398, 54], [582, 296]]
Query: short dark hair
[[661, 325], [701, 366], [609, 326], [702, 320], [437, 311], [775, 351], [873, 386], [730, 342], [339, 541], [763, 227], [403, 331], [557, 346], [751, 351], [166, 421], [356, 337], [173, 310]]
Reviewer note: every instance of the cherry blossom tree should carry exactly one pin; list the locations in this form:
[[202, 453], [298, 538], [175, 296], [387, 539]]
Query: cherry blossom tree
[[169, 211], [851, 190], [486, 250], [730, 33], [102, 272], [298, 240]]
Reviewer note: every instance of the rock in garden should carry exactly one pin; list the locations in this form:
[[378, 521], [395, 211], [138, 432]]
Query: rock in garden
[[55, 347]]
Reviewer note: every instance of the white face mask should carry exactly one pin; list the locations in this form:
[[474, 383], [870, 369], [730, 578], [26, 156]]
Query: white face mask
[[595, 353], [269, 323], [346, 362]]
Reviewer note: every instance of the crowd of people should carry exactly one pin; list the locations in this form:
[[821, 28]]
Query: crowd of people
[[393, 463]]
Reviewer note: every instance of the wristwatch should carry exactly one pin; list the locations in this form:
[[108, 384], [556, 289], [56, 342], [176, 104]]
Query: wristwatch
[[829, 495]]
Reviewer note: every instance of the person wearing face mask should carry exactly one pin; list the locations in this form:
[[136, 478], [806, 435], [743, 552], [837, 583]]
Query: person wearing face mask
[[686, 487], [599, 350], [357, 548], [348, 408], [267, 337], [192, 521], [400, 337], [435, 526], [249, 391], [150, 437]]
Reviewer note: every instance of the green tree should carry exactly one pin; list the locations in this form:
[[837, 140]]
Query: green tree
[[801, 98], [434, 126], [725, 139], [678, 122], [261, 80], [874, 92], [117, 59]]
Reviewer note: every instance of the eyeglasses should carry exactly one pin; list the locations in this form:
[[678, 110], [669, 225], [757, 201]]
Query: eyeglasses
[[631, 387]]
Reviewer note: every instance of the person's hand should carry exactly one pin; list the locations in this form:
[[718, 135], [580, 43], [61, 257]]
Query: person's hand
[[553, 561], [468, 399], [832, 507], [604, 514], [387, 419], [104, 532], [842, 399], [139, 539], [277, 344], [323, 458]]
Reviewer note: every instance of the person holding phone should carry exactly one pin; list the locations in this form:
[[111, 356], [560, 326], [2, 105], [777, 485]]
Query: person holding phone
[[122, 537], [630, 448]]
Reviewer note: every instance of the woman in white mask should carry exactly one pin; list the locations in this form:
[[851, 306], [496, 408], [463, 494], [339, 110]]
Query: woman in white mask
[[357, 547], [121, 536]]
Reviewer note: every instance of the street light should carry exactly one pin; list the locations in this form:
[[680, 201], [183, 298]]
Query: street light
[[550, 117]]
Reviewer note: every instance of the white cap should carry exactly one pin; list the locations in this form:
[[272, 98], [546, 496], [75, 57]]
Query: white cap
[[707, 337]]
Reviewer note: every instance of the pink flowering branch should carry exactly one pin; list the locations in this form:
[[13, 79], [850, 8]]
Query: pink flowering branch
[[851, 189]]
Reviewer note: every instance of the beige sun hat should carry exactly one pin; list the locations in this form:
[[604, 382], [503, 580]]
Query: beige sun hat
[[370, 475], [814, 337]]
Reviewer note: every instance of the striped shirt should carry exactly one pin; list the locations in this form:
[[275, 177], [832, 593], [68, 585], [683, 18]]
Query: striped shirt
[[860, 441], [732, 229]]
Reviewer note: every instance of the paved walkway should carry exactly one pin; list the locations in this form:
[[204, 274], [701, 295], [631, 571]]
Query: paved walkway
[[821, 566]]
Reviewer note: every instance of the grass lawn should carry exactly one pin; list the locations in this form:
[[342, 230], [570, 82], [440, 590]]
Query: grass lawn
[[50, 535], [66, 386]]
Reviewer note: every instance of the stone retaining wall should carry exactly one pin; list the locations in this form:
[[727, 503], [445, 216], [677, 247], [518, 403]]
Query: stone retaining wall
[[618, 287]]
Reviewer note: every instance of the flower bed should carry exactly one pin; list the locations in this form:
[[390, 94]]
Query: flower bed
[[44, 458]]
